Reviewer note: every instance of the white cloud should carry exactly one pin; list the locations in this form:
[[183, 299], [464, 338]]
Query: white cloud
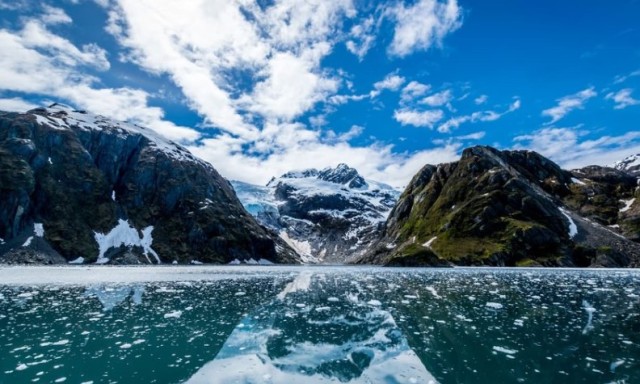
[[481, 99], [53, 15], [622, 78], [377, 161], [209, 48], [569, 103], [438, 99], [413, 90], [472, 136], [480, 116], [416, 118], [423, 25], [622, 98], [392, 82], [570, 148], [362, 37], [15, 104], [47, 64]]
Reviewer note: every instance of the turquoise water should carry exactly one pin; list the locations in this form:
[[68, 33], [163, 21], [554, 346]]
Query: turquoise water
[[318, 324]]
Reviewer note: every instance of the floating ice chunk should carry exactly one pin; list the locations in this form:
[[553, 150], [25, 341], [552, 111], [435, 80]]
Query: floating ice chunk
[[21, 367], [333, 299], [234, 262], [196, 262], [125, 346], [590, 310], [173, 315], [60, 380], [251, 261], [174, 262], [78, 260], [375, 303], [616, 364], [573, 228], [505, 350], [494, 305], [264, 262], [433, 292]]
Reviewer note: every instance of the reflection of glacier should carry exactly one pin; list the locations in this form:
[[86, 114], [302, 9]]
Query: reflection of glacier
[[112, 296], [328, 341]]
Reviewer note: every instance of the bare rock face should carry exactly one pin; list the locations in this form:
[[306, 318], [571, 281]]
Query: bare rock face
[[97, 190], [507, 208]]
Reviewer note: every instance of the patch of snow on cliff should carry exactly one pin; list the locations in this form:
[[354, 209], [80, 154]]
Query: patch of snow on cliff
[[627, 204], [577, 181], [573, 228], [28, 242], [79, 260], [303, 248], [428, 243], [125, 234], [38, 229]]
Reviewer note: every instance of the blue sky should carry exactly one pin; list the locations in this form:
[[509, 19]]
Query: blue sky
[[260, 88]]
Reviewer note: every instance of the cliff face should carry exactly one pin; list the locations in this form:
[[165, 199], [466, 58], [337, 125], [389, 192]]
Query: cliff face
[[80, 187], [511, 208]]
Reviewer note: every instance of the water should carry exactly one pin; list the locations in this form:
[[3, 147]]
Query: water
[[318, 324]]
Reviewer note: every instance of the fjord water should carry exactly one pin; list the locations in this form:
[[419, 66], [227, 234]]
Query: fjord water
[[318, 324]]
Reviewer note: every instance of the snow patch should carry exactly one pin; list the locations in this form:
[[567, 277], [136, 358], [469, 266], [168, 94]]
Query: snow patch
[[428, 243], [573, 228], [627, 204], [577, 181], [38, 229], [125, 234], [79, 260], [28, 242], [302, 248]]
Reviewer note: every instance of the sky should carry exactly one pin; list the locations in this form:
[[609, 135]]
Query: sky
[[259, 88]]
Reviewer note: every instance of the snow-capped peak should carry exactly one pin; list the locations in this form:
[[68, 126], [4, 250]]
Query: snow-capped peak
[[630, 165], [62, 117]]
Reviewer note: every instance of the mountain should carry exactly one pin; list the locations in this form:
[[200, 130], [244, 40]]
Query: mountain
[[630, 165], [81, 188], [511, 208], [330, 215]]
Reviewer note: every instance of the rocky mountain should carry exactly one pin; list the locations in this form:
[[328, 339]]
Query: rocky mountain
[[81, 188], [330, 215], [512, 208], [630, 165]]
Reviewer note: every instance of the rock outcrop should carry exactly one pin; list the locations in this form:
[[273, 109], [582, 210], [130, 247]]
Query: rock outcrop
[[80, 188], [511, 208]]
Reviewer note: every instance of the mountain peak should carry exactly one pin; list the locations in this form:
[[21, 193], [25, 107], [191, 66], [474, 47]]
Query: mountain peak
[[343, 174]]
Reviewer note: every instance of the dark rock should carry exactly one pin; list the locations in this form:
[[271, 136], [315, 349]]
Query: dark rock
[[79, 174]]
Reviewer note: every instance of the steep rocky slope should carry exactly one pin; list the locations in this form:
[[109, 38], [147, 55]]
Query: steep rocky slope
[[84, 188], [331, 215], [511, 208]]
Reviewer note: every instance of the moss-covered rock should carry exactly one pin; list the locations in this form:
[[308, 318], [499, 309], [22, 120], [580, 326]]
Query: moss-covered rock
[[500, 208]]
